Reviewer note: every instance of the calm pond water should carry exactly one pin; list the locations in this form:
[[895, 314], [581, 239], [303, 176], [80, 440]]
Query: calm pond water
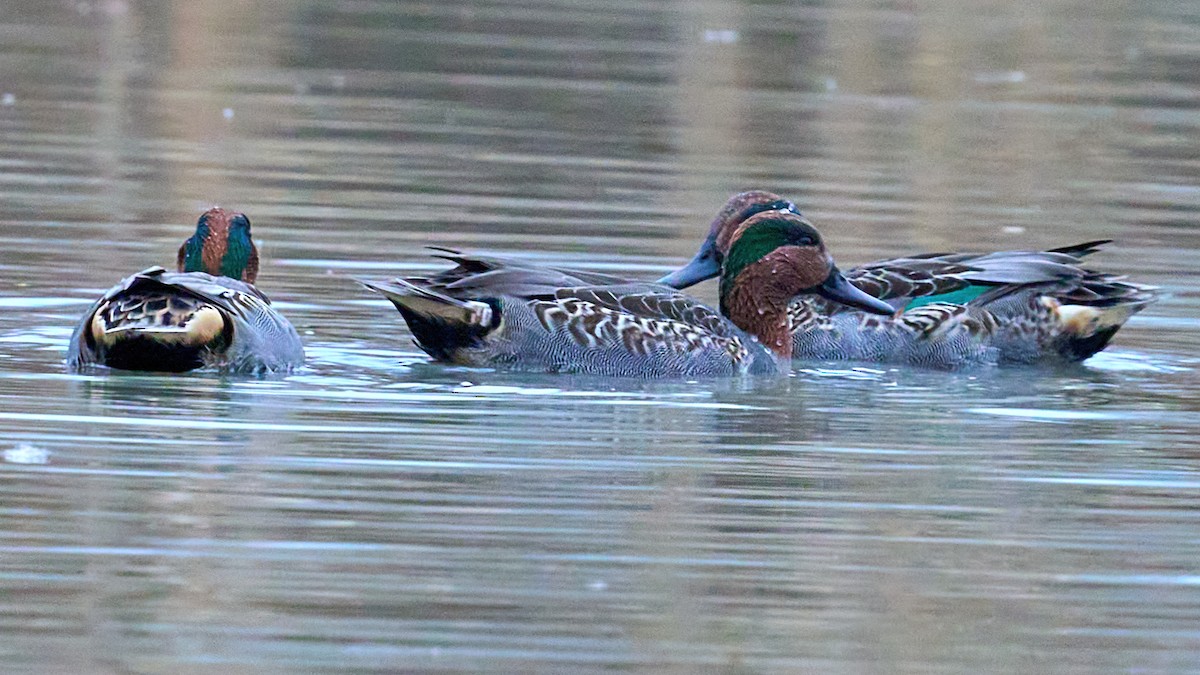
[[376, 513]]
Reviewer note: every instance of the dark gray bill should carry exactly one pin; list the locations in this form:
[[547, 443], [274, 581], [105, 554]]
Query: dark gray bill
[[704, 266], [836, 288]]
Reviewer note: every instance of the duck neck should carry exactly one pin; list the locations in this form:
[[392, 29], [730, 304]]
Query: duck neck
[[760, 308]]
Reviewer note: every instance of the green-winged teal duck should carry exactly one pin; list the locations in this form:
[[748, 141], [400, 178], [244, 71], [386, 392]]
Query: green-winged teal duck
[[953, 309], [494, 312], [208, 314]]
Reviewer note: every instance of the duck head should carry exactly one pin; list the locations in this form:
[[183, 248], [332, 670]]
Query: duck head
[[221, 246], [707, 262], [772, 257]]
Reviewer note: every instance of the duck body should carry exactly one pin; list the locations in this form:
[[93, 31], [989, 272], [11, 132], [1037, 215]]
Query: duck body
[[937, 335], [208, 314], [951, 309], [163, 321], [499, 313], [493, 312], [960, 309]]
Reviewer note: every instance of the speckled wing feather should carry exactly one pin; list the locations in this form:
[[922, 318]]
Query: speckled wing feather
[[932, 274], [935, 320], [655, 302], [908, 278], [925, 322], [598, 317]]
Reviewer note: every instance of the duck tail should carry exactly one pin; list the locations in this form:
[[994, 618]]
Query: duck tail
[[157, 331], [1081, 250], [1087, 324], [440, 324]]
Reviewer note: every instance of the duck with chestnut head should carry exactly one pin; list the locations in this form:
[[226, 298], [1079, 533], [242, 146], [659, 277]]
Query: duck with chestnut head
[[500, 313], [951, 309], [206, 314]]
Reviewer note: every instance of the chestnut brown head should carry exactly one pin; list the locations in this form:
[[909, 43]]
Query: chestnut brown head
[[221, 246], [706, 264], [782, 255]]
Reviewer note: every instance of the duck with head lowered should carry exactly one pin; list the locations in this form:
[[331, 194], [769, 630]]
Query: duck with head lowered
[[207, 314], [952, 309], [500, 313]]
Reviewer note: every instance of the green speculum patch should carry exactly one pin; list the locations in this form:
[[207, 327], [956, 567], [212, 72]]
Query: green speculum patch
[[960, 297]]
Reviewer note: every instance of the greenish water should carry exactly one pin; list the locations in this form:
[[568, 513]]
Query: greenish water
[[375, 513]]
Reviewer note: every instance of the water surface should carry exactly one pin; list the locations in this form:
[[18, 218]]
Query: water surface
[[374, 512]]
